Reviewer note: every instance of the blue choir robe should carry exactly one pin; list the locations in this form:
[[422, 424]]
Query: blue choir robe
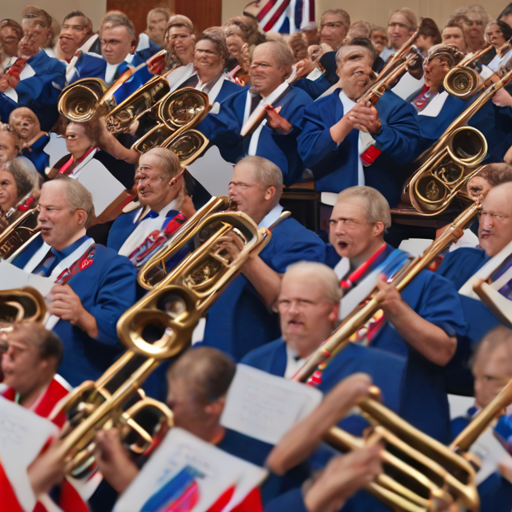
[[458, 266], [335, 166], [121, 229], [90, 65], [36, 154], [387, 370], [239, 321], [41, 83], [315, 88], [495, 491], [435, 299], [106, 289], [223, 130], [145, 49]]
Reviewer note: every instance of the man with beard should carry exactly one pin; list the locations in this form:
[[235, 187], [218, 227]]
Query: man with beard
[[333, 143]]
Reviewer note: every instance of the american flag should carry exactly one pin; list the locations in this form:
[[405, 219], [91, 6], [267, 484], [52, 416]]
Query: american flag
[[286, 16]]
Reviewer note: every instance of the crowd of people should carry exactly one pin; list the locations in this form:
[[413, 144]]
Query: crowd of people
[[288, 112]]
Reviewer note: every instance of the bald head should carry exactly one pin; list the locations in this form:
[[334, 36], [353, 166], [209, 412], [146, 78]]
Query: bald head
[[495, 230], [315, 275]]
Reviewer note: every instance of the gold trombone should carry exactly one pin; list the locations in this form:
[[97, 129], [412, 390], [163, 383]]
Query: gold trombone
[[26, 304], [20, 231], [454, 159], [174, 309], [362, 314]]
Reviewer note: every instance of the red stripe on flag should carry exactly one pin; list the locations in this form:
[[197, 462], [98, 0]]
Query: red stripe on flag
[[266, 9], [275, 17]]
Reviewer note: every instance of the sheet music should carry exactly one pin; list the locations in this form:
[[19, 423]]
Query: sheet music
[[264, 406], [12, 277]]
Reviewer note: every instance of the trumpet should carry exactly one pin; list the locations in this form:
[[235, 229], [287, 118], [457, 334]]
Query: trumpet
[[453, 160], [340, 337], [174, 309]]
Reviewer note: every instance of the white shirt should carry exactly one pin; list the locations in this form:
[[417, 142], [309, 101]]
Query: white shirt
[[271, 217], [144, 229], [293, 365], [110, 72]]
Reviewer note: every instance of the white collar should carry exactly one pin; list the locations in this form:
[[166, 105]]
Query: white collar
[[347, 103], [166, 209], [271, 217], [110, 72]]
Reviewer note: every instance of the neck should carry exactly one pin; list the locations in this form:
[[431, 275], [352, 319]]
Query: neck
[[258, 217], [306, 347], [207, 75], [358, 260], [29, 398], [73, 239], [76, 154], [165, 202], [216, 434]]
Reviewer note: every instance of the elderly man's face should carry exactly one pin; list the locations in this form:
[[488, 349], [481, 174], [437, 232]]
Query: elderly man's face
[[73, 34], [9, 41], [153, 187], [58, 223], [495, 229], [355, 71], [157, 23], [22, 364], [266, 74], [474, 26], [351, 235], [398, 30], [305, 313], [250, 196], [25, 124], [41, 35], [333, 30], [181, 42], [34, 38]]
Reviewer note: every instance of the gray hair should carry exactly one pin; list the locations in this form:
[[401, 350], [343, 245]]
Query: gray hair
[[282, 53], [499, 336], [77, 196], [21, 171], [118, 19], [267, 173], [324, 275], [171, 165], [375, 204]]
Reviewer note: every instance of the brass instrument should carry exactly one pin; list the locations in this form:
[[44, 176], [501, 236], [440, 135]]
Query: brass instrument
[[419, 471], [79, 101], [464, 80], [389, 76], [26, 304], [340, 337], [153, 269], [453, 160], [20, 231], [174, 309]]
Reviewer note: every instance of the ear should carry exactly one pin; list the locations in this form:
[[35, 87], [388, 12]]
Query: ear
[[81, 217], [334, 314], [378, 229], [215, 408], [270, 193]]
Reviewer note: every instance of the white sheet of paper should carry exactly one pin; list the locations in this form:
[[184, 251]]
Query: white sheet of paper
[[101, 184], [264, 406], [491, 452], [218, 472], [22, 435], [407, 86], [212, 171], [485, 271], [56, 148], [14, 277]]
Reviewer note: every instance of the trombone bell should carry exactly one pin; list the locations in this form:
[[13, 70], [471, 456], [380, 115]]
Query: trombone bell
[[79, 101]]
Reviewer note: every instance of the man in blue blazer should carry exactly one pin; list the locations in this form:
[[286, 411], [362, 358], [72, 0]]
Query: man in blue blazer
[[118, 48], [273, 138], [242, 318], [93, 284], [333, 142], [35, 80], [420, 324]]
